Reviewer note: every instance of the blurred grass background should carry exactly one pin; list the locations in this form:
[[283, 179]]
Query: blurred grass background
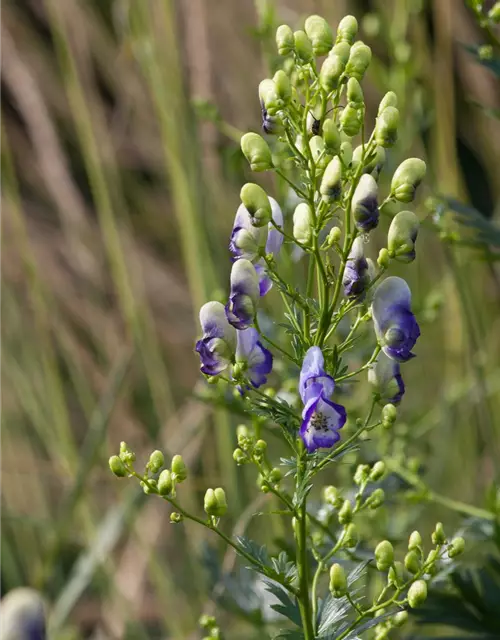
[[121, 173]]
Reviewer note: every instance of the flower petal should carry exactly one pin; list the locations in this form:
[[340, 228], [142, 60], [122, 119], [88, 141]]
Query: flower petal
[[313, 372], [274, 237], [392, 291], [265, 282], [214, 323], [322, 419]]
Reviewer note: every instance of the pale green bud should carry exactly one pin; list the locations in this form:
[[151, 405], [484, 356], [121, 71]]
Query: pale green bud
[[333, 236], [389, 100], [165, 482], [257, 203], [331, 183], [402, 236], [400, 618], [260, 447], [331, 137], [275, 475], [355, 92], [376, 499], [347, 29], [149, 486], [207, 622], [374, 162], [406, 179], [383, 259], [359, 60], [257, 152], [269, 97], [179, 468], [331, 70], [417, 594], [342, 51], [439, 536], [303, 46], [389, 415], [412, 562], [361, 474], [284, 40], [239, 457], [494, 13], [215, 502], [317, 147], [350, 120], [432, 556], [346, 153], [282, 85], [175, 517], [303, 223], [156, 461], [456, 547], [415, 541], [378, 471], [117, 467], [396, 574], [331, 496], [345, 513], [384, 555], [338, 581], [386, 128], [126, 453], [320, 34], [350, 538]]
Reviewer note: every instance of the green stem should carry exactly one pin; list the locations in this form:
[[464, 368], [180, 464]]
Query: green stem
[[363, 368]]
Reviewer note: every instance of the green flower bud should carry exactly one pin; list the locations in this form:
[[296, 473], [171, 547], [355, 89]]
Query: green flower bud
[[359, 60], [331, 137], [331, 183], [431, 559], [221, 501], [345, 513], [383, 259], [456, 547], [282, 85], [406, 179], [269, 97], [384, 555], [389, 415], [355, 92], [361, 474], [117, 467], [417, 594], [347, 29], [331, 70], [338, 581], [303, 223], [350, 120], [350, 538], [412, 562], [317, 147], [342, 50], [346, 153], [275, 475], [333, 237], [389, 100], [126, 454], [239, 457], [320, 34], [372, 163], [386, 128], [396, 575], [378, 471], [331, 496], [175, 517], [207, 622], [215, 502], [257, 203], [494, 13], [400, 618], [165, 482], [256, 151], [303, 46], [415, 541], [284, 40], [149, 487], [156, 461], [179, 468], [260, 446], [376, 499], [439, 536], [402, 236]]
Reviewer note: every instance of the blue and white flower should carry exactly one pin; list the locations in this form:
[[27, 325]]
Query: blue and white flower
[[356, 273], [252, 358], [321, 418], [364, 203], [218, 345], [385, 377], [244, 295], [395, 325]]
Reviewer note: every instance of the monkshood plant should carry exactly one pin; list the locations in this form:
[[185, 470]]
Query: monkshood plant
[[314, 116]]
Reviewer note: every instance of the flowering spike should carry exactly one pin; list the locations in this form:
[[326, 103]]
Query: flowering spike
[[218, 344], [284, 40], [406, 179], [257, 152], [395, 325], [402, 236], [257, 203], [320, 35], [242, 305], [364, 203]]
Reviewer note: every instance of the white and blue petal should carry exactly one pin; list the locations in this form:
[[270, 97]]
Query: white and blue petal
[[218, 343], [313, 373], [242, 305], [257, 359], [356, 275], [246, 240], [385, 377], [274, 237], [322, 420]]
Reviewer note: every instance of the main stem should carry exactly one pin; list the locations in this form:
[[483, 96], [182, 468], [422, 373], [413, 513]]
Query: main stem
[[300, 531]]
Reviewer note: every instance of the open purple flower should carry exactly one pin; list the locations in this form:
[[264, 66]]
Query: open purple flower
[[356, 274], [218, 344], [321, 418], [255, 359], [242, 305], [395, 325], [385, 377]]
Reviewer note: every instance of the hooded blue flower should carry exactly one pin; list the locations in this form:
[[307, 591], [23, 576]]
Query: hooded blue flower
[[364, 203], [321, 418], [218, 344], [395, 325], [385, 376], [356, 273], [257, 361], [242, 305]]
